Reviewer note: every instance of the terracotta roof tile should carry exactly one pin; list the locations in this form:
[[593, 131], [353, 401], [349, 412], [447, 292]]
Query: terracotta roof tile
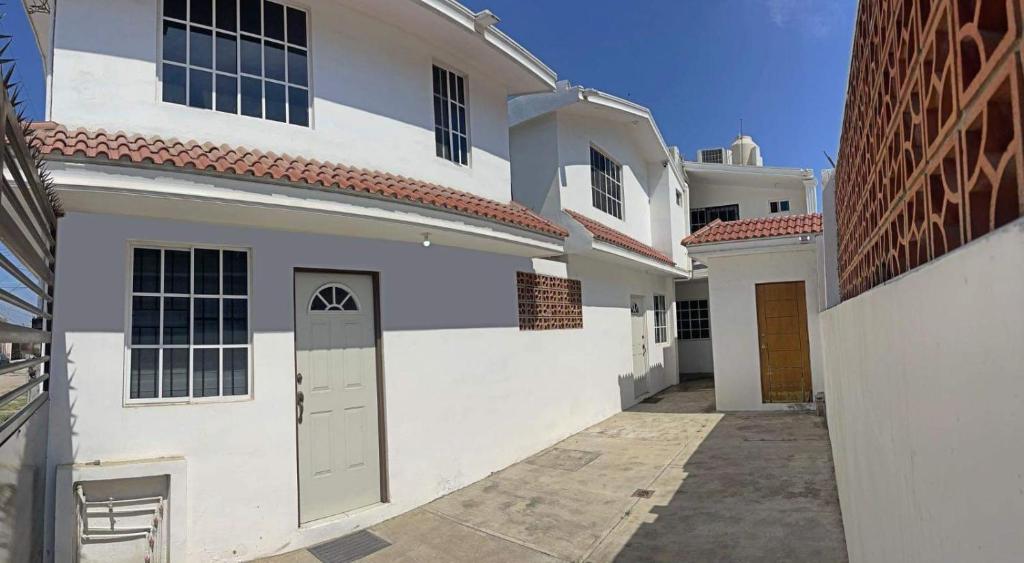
[[761, 227], [607, 234], [56, 141]]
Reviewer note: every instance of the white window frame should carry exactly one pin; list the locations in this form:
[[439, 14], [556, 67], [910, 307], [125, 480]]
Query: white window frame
[[775, 207], [688, 324], [453, 103], [128, 346], [238, 75], [610, 182], [660, 330]]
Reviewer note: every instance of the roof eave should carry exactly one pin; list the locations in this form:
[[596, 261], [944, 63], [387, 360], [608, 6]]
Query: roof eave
[[471, 21], [753, 245]]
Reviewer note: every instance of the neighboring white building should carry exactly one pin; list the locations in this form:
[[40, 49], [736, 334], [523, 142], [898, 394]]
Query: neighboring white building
[[751, 225], [261, 193], [598, 165]]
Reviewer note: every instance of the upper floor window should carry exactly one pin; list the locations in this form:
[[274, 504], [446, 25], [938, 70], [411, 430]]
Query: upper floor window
[[606, 183], [451, 135], [189, 317], [248, 57], [779, 206], [701, 216]]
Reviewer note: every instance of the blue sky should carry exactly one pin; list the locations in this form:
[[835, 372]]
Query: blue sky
[[779, 65]]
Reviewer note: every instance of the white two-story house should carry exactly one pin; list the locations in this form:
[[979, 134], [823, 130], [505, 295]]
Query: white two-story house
[[298, 297], [749, 314], [597, 165]]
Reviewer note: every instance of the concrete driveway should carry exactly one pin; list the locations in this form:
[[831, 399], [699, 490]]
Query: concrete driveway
[[722, 487]]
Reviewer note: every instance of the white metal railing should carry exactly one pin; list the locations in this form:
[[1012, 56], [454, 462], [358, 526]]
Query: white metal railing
[[148, 509]]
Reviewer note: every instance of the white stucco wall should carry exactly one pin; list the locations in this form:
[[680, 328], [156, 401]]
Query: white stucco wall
[[925, 379], [551, 172], [458, 372], [731, 281], [695, 356], [536, 174], [576, 134], [371, 85], [668, 218], [753, 201]]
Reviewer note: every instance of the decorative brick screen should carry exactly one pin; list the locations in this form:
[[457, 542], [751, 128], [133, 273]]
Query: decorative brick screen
[[549, 303], [931, 151]]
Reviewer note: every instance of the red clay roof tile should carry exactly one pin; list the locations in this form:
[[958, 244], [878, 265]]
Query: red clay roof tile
[[56, 141], [761, 227], [607, 234]]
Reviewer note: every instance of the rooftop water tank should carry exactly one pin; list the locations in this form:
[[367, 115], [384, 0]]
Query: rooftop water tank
[[745, 151]]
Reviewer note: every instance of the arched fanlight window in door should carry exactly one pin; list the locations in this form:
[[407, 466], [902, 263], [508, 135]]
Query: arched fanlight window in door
[[333, 297]]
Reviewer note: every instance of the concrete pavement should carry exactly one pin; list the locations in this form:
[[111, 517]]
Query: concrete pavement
[[722, 487]]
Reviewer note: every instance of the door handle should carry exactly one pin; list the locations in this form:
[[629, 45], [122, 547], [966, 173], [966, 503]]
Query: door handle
[[300, 401]]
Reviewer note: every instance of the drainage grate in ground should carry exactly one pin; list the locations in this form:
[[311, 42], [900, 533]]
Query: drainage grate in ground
[[652, 400], [643, 493], [349, 548]]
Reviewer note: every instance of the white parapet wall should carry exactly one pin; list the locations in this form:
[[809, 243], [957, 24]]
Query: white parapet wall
[[925, 380]]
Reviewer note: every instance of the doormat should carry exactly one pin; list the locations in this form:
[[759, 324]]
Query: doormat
[[564, 459], [349, 548], [652, 400]]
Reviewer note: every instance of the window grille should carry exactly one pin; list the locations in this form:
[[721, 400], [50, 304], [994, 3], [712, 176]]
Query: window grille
[[660, 320], [606, 183], [189, 324], [692, 320], [451, 134], [247, 57]]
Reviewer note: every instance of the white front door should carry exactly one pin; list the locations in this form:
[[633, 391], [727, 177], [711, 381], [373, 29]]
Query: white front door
[[336, 394], [638, 315]]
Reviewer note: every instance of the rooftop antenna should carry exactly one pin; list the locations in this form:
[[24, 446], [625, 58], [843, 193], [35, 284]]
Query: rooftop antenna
[[741, 127], [830, 161]]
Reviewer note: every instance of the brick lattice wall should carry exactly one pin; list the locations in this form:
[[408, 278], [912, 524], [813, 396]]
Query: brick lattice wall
[[931, 150], [548, 302]]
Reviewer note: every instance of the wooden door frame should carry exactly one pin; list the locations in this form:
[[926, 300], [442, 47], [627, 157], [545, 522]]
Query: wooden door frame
[[804, 331], [385, 491]]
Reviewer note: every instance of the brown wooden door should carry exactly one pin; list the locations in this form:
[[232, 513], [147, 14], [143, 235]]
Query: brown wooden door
[[785, 352]]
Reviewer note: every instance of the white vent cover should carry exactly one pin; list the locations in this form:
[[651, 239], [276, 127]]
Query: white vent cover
[[714, 156]]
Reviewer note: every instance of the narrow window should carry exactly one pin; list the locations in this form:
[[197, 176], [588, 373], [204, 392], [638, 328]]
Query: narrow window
[[679, 198], [247, 57], [451, 134], [692, 320], [701, 216], [781, 206], [606, 183], [660, 320], [189, 312]]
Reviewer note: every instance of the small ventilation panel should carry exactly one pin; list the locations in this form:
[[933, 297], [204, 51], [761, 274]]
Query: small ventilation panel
[[714, 156]]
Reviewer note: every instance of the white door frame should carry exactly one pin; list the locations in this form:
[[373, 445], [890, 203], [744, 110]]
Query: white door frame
[[385, 492], [642, 299]]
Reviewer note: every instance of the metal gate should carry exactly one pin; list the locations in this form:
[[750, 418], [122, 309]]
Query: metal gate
[[28, 224]]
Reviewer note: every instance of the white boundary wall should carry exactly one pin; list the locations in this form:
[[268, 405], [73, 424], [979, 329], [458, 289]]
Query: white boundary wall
[[925, 379]]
